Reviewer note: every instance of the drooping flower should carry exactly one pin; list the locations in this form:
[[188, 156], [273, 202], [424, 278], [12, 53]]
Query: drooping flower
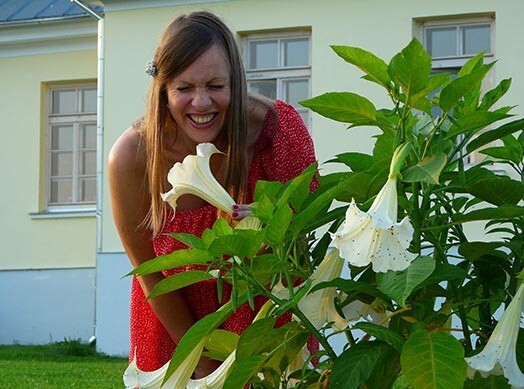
[[499, 356], [216, 379], [319, 306], [375, 236], [194, 176], [136, 378]]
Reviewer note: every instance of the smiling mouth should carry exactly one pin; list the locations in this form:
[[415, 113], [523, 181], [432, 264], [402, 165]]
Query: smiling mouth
[[202, 119]]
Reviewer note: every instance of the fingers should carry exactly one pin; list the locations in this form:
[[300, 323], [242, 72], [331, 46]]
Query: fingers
[[240, 211]]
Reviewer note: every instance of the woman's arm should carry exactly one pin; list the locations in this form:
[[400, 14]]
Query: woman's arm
[[130, 204]]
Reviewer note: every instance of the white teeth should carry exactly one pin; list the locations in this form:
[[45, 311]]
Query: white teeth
[[202, 119]]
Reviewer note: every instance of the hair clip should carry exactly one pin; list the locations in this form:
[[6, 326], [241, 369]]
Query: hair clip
[[151, 68]]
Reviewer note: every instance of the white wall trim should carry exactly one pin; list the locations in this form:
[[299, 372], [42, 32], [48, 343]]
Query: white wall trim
[[125, 5], [47, 38]]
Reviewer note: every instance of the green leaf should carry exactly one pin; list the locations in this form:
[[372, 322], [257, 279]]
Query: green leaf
[[472, 64], [381, 333], [243, 244], [257, 338], [456, 89], [444, 272], [178, 281], [386, 370], [175, 259], [199, 331], [344, 107], [369, 63], [357, 162], [243, 370], [497, 191], [189, 240], [433, 360], [492, 135], [497, 213], [494, 95], [278, 225], [428, 170], [296, 190], [490, 382], [221, 343], [400, 285], [354, 366], [222, 227], [269, 189], [264, 208], [474, 122], [410, 68], [474, 250]]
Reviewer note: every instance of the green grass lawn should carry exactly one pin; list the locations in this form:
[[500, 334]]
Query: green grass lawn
[[61, 365]]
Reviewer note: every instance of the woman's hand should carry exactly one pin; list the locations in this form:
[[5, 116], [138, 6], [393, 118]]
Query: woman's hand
[[240, 211]]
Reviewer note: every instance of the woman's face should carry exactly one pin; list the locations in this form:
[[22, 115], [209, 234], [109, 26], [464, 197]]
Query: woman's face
[[199, 97]]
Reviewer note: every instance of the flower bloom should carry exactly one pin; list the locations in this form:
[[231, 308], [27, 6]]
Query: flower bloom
[[319, 306], [500, 356], [136, 378], [375, 236], [194, 176]]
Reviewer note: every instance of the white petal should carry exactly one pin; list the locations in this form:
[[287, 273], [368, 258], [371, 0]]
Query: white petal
[[194, 176], [216, 379], [375, 237], [319, 306], [136, 378], [499, 355]]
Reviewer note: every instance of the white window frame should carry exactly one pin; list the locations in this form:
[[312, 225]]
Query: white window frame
[[280, 73], [76, 120], [460, 59]]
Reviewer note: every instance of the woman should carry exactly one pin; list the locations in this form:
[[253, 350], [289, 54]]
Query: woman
[[198, 94]]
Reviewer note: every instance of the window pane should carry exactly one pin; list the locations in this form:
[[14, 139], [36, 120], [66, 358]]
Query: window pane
[[89, 100], [263, 54], [267, 88], [295, 91], [62, 164], [475, 39], [87, 190], [88, 136], [296, 52], [442, 41], [62, 137], [305, 116], [64, 101], [87, 162], [61, 191]]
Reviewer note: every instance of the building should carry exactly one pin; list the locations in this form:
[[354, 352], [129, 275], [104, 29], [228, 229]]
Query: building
[[60, 248]]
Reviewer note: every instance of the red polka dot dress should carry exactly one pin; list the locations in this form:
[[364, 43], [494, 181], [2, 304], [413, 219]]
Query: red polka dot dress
[[284, 149]]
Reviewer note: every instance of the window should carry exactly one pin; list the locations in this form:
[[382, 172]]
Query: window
[[71, 147], [450, 43], [278, 66]]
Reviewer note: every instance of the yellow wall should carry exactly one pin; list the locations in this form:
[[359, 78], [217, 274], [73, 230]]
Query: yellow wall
[[28, 243], [380, 26]]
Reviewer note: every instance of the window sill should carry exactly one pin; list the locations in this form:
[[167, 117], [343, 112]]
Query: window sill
[[62, 214]]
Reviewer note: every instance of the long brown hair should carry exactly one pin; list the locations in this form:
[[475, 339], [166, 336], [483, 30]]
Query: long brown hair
[[182, 42]]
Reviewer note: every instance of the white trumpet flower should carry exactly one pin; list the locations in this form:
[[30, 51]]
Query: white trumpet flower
[[216, 379], [194, 176], [136, 378], [319, 306], [375, 236], [500, 356]]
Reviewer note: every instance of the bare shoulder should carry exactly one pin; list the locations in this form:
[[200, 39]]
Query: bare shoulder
[[128, 152]]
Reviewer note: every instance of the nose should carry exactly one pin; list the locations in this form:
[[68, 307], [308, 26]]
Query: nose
[[201, 98]]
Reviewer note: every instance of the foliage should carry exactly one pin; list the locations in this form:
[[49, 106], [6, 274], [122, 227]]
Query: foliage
[[63, 364], [436, 312]]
